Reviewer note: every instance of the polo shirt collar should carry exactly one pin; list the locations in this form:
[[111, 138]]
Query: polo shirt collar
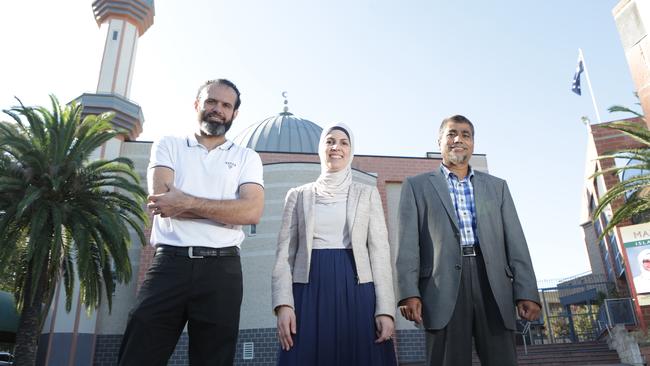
[[192, 142]]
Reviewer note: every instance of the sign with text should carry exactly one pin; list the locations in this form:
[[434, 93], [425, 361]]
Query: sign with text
[[636, 240]]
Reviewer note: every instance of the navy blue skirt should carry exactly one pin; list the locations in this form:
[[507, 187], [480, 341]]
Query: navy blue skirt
[[335, 317]]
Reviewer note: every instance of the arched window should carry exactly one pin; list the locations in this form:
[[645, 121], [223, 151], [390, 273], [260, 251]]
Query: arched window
[[634, 168]]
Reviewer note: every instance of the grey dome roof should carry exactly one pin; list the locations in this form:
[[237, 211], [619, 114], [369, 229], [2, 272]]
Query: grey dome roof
[[282, 133]]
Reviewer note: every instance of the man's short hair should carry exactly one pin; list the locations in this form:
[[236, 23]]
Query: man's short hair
[[225, 82], [457, 119]]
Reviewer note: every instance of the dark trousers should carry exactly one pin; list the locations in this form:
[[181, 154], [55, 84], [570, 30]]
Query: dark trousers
[[476, 314], [205, 293]]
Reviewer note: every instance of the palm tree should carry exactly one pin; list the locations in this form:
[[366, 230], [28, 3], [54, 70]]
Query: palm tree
[[63, 216], [635, 190]]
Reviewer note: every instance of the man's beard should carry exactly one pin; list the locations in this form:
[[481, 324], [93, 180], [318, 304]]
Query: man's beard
[[457, 158], [214, 128]]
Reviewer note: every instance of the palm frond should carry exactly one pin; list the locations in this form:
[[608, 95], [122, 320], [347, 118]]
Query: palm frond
[[620, 108], [631, 189], [639, 132], [38, 253], [74, 215], [631, 208]]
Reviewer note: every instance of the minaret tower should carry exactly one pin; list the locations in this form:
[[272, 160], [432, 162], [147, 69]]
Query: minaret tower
[[71, 338], [126, 21]]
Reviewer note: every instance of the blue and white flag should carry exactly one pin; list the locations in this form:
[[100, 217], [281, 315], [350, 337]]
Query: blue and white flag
[[575, 87]]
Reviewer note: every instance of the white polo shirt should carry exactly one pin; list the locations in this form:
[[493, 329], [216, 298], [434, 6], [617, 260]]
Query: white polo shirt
[[215, 174]]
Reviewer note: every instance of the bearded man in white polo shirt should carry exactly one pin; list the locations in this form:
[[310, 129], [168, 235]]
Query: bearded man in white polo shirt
[[203, 188]]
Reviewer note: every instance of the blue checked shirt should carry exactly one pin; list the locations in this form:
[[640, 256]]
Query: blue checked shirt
[[462, 196]]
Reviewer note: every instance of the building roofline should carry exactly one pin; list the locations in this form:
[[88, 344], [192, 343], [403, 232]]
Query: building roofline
[[370, 174], [355, 155], [630, 119], [367, 155]]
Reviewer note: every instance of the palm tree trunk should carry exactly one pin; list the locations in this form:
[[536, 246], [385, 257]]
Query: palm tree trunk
[[30, 324]]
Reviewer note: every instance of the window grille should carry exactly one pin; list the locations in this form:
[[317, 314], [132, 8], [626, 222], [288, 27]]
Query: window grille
[[249, 351]]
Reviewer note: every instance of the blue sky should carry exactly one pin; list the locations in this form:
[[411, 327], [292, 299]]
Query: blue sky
[[391, 70]]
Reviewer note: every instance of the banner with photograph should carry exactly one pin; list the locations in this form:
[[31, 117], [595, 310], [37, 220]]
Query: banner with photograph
[[636, 240]]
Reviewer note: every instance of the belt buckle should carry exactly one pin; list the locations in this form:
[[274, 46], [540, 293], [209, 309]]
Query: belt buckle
[[469, 251], [190, 253]]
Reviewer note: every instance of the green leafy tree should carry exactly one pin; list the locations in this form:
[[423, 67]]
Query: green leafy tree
[[635, 190], [8, 277], [583, 320], [62, 214]]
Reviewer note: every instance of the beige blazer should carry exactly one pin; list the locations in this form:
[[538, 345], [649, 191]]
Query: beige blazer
[[365, 219]]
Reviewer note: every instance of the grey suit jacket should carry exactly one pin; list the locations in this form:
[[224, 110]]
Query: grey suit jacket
[[365, 220], [429, 261]]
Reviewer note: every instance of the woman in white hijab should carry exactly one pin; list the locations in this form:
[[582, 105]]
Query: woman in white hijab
[[642, 280], [332, 280]]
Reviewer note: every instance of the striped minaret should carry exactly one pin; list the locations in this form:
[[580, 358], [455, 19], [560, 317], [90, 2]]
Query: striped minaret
[[126, 21], [70, 338]]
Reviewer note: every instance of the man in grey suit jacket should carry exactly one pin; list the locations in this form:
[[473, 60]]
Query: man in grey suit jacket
[[463, 263]]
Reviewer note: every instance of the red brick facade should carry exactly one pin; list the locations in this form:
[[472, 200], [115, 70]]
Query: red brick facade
[[389, 169], [146, 255], [607, 141]]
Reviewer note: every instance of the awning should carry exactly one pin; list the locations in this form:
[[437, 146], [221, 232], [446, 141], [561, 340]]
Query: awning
[[8, 318]]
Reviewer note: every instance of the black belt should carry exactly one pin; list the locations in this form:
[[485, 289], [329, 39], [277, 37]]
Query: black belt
[[469, 250], [198, 252]]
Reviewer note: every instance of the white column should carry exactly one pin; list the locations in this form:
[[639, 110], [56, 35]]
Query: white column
[[118, 59]]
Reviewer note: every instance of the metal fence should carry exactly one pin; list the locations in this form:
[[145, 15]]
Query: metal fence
[[616, 311], [579, 310]]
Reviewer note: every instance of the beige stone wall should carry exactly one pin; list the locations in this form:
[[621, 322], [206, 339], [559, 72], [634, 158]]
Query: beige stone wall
[[124, 297]]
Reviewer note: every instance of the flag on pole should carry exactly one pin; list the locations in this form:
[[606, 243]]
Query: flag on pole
[[575, 87]]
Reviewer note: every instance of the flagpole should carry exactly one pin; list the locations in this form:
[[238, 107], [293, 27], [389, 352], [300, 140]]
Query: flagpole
[[591, 91]]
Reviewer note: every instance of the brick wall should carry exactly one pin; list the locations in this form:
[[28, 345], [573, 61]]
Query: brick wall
[[410, 346], [607, 141], [265, 346], [106, 349], [389, 169], [146, 255], [645, 313], [108, 346]]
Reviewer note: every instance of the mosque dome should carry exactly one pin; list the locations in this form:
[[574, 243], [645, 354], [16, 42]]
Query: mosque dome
[[281, 133]]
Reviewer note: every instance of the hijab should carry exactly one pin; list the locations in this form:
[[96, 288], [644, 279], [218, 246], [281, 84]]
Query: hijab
[[644, 255], [333, 187]]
